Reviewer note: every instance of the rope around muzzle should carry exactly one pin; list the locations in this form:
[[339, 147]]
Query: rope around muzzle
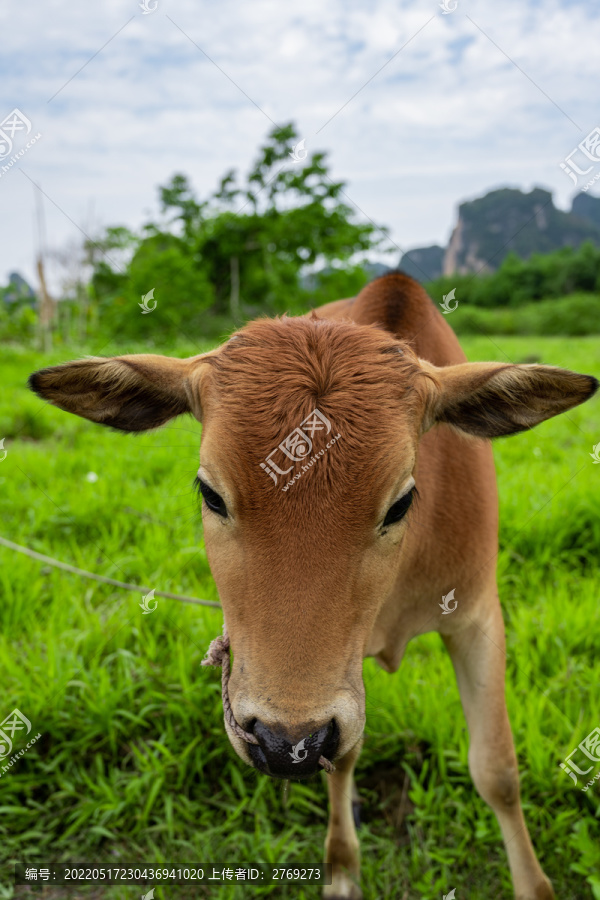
[[218, 655]]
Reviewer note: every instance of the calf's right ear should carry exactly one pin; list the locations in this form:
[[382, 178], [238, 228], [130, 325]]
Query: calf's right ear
[[131, 393], [493, 399]]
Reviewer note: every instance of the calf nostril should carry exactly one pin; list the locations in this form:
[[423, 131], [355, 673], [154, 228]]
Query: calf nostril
[[332, 740], [258, 757]]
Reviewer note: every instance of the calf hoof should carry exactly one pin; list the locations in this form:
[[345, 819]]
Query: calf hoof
[[342, 887]]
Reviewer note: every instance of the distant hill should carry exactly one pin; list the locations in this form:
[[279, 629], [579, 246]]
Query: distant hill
[[17, 289], [424, 263], [503, 221], [587, 207]]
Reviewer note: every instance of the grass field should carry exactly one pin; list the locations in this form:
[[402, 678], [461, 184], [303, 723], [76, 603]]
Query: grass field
[[133, 763]]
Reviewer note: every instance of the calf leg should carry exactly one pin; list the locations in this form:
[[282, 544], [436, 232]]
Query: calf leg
[[478, 656], [342, 849]]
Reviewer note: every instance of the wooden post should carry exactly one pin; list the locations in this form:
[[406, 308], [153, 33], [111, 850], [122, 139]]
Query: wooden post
[[234, 296], [47, 307]]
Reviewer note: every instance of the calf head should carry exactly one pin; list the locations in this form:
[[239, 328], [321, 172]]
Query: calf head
[[309, 443]]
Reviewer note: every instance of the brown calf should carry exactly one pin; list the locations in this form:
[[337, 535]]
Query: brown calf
[[317, 431]]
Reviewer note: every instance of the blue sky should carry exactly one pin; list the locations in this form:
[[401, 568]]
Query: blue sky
[[418, 110]]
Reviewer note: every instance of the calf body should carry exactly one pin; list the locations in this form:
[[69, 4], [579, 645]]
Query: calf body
[[453, 545], [348, 486]]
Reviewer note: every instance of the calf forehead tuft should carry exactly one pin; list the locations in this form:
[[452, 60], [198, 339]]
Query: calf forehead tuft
[[290, 360], [277, 371]]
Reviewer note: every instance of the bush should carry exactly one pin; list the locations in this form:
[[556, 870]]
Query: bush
[[181, 293], [573, 316], [17, 322], [520, 281]]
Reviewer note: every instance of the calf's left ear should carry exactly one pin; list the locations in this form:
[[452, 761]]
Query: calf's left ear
[[493, 399], [131, 393]]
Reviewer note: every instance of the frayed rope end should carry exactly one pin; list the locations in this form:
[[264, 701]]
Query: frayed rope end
[[218, 649]]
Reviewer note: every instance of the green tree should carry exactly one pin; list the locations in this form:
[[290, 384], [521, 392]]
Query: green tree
[[244, 249]]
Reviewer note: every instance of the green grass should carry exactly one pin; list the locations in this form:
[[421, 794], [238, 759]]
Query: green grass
[[134, 764]]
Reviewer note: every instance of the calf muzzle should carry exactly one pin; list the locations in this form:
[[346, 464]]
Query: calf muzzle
[[277, 755]]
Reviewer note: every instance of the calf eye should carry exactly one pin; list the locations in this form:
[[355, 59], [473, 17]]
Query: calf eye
[[213, 500], [399, 509]]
